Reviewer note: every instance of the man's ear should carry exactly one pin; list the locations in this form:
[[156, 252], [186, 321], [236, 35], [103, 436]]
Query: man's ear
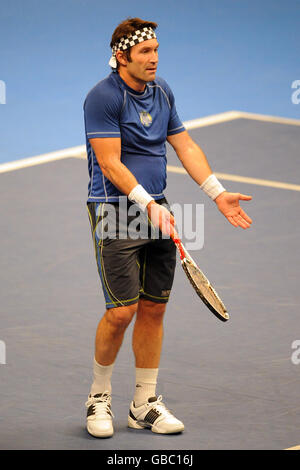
[[121, 57]]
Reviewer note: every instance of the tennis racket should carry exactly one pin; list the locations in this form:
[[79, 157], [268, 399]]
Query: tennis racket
[[200, 283]]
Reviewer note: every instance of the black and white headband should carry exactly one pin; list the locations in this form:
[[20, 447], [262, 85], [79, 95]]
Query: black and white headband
[[129, 41]]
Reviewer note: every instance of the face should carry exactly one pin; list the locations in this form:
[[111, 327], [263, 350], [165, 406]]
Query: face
[[144, 60]]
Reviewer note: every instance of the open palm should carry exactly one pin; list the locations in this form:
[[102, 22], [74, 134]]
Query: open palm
[[228, 204]]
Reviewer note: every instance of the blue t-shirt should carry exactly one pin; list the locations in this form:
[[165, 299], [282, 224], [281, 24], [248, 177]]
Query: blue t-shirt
[[142, 120]]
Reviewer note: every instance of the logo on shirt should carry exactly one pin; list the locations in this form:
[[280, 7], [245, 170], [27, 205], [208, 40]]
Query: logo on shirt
[[146, 119]]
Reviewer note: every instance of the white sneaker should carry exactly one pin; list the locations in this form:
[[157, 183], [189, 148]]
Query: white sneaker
[[99, 415], [154, 415]]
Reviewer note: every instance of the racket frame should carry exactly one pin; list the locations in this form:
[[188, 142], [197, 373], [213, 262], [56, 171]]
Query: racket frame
[[186, 258]]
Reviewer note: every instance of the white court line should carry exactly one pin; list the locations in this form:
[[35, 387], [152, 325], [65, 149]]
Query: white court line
[[80, 151], [231, 115], [44, 158], [242, 179]]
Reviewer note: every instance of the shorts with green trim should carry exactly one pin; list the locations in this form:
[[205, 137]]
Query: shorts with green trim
[[134, 260]]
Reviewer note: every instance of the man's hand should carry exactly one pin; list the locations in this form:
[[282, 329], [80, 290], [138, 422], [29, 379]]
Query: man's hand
[[228, 204], [161, 218]]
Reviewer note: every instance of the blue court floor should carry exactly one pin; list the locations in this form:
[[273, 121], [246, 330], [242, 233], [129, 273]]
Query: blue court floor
[[236, 384]]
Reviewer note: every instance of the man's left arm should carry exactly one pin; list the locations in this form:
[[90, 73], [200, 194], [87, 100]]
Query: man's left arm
[[195, 162]]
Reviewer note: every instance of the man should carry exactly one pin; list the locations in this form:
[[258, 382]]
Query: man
[[128, 118]]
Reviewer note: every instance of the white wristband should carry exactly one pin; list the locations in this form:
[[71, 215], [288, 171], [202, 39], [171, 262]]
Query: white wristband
[[212, 187], [140, 196]]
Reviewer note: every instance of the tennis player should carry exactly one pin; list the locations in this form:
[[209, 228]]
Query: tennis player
[[129, 116]]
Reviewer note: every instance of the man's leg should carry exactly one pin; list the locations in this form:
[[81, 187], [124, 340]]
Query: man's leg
[[109, 337], [110, 332], [147, 344], [146, 409], [148, 333]]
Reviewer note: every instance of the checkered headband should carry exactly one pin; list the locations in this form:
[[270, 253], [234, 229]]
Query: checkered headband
[[129, 41]]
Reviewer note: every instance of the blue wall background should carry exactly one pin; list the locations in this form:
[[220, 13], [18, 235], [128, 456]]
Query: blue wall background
[[217, 55]]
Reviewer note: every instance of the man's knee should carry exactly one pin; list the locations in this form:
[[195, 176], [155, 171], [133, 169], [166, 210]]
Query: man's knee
[[151, 310], [120, 317]]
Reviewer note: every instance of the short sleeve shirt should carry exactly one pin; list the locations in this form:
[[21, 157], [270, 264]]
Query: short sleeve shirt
[[142, 121]]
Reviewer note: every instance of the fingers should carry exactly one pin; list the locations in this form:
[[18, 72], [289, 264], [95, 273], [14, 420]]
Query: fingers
[[244, 197], [242, 222], [238, 217], [173, 233], [239, 221], [246, 216], [168, 226], [232, 221], [163, 219], [172, 220]]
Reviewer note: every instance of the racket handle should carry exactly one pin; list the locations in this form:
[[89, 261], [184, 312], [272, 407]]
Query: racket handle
[[179, 246]]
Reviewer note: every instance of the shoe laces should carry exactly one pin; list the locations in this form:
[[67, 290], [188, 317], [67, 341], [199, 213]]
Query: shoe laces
[[101, 404], [159, 406]]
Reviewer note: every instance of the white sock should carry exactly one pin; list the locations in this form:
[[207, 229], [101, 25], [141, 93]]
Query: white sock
[[102, 378], [145, 387]]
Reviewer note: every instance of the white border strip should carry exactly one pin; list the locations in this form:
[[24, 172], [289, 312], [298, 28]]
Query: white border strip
[[231, 115], [80, 151], [242, 179], [258, 181]]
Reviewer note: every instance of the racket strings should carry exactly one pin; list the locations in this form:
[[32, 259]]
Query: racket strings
[[203, 287]]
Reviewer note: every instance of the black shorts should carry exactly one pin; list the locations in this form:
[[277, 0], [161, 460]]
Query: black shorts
[[133, 260]]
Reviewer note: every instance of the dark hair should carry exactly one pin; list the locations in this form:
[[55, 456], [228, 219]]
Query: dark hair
[[127, 27]]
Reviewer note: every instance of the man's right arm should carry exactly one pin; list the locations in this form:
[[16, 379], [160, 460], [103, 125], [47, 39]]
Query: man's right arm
[[108, 154]]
